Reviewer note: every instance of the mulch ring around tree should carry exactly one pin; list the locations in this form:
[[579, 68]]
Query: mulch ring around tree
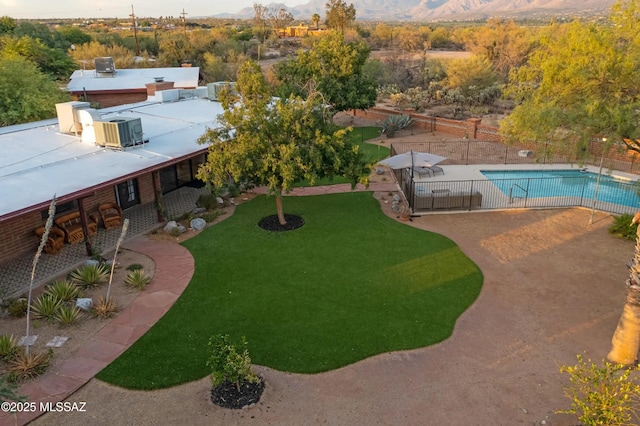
[[226, 395], [271, 223]]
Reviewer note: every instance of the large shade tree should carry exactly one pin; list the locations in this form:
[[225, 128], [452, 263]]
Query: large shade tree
[[332, 67], [276, 142]]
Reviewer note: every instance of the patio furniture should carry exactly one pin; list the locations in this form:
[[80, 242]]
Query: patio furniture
[[71, 224], [428, 171], [55, 240], [111, 214]]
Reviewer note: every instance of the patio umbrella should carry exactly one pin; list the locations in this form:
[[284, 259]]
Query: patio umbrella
[[412, 159]]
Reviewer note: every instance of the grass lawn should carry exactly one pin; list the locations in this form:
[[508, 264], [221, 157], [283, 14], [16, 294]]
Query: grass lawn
[[372, 153], [349, 284]]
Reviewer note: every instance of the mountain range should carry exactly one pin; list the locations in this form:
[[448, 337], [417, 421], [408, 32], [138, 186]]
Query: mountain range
[[446, 10]]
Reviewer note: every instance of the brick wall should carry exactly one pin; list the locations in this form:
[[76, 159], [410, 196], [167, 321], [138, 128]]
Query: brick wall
[[105, 100], [17, 237], [145, 188]]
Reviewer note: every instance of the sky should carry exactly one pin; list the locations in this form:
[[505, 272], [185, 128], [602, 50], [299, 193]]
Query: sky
[[40, 9]]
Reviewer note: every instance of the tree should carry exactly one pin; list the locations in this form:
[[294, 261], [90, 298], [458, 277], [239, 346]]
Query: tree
[[580, 83], [315, 19], [86, 53], [333, 68], [279, 17], [7, 24], [26, 94], [260, 19], [54, 62], [339, 15], [625, 343], [465, 74], [276, 142]]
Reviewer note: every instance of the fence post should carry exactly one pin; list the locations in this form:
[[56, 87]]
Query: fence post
[[468, 147], [506, 153]]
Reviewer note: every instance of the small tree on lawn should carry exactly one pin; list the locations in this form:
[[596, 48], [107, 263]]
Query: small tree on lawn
[[276, 142]]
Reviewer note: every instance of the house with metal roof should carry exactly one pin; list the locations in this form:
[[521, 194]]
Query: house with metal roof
[[129, 155], [105, 86]]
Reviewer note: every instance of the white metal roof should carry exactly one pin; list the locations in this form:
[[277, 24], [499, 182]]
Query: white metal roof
[[130, 79], [37, 161]]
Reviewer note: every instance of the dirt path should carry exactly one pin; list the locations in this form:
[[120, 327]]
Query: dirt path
[[553, 288]]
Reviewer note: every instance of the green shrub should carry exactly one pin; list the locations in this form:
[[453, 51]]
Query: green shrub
[[602, 395], [64, 290], [46, 306], [138, 279], [228, 362], [210, 217], [8, 347], [134, 266], [623, 228], [18, 308], [207, 201], [68, 315], [90, 275]]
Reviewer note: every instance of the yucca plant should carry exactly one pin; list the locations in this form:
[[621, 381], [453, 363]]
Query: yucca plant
[[105, 308], [8, 347], [46, 306], [64, 290], [68, 315], [90, 275], [138, 279], [26, 366]]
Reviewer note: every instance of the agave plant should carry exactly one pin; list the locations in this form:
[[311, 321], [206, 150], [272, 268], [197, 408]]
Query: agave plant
[[26, 366], [137, 278], [68, 315], [46, 306], [64, 290], [393, 123], [90, 275], [8, 347]]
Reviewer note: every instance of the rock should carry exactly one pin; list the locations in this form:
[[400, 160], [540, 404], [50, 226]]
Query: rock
[[170, 226], [181, 229], [198, 223], [380, 171], [396, 197], [395, 208], [199, 210], [84, 303], [90, 262], [219, 200]]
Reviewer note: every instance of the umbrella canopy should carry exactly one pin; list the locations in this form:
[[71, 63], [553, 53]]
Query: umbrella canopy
[[412, 159]]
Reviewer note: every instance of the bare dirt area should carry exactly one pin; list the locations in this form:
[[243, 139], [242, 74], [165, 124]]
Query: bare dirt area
[[88, 325]]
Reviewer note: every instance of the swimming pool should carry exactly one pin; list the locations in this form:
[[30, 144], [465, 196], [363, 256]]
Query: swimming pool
[[563, 183]]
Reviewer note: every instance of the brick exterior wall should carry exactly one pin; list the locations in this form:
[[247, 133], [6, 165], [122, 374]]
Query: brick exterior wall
[[145, 188], [17, 237], [106, 100]]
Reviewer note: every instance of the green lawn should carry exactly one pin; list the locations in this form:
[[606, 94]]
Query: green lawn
[[349, 284]]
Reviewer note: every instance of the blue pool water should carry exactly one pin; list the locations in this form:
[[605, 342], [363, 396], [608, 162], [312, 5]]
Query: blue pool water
[[563, 183]]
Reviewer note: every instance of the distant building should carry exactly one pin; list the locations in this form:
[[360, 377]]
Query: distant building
[[106, 86]]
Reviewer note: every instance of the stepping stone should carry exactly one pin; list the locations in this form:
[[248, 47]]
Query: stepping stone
[[28, 341], [57, 341]]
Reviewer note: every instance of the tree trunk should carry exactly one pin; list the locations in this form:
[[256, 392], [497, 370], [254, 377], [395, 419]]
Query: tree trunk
[[626, 339], [280, 211]]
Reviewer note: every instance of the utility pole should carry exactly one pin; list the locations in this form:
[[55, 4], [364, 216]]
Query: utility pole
[[135, 31], [184, 23]]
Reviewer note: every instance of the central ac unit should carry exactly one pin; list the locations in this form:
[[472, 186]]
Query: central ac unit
[[119, 133]]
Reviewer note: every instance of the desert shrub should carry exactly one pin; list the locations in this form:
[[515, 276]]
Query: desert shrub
[[46, 306], [68, 315], [90, 275], [623, 228], [138, 279], [605, 395], [134, 266], [393, 123], [228, 362], [210, 217], [18, 308], [104, 308], [8, 347], [27, 366], [64, 290], [207, 201]]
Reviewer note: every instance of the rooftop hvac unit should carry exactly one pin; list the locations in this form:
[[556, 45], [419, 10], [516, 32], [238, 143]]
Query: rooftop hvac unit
[[119, 133], [68, 116], [214, 89], [105, 65]]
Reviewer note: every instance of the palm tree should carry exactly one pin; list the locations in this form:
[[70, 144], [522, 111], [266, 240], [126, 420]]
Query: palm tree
[[626, 338], [315, 19]]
